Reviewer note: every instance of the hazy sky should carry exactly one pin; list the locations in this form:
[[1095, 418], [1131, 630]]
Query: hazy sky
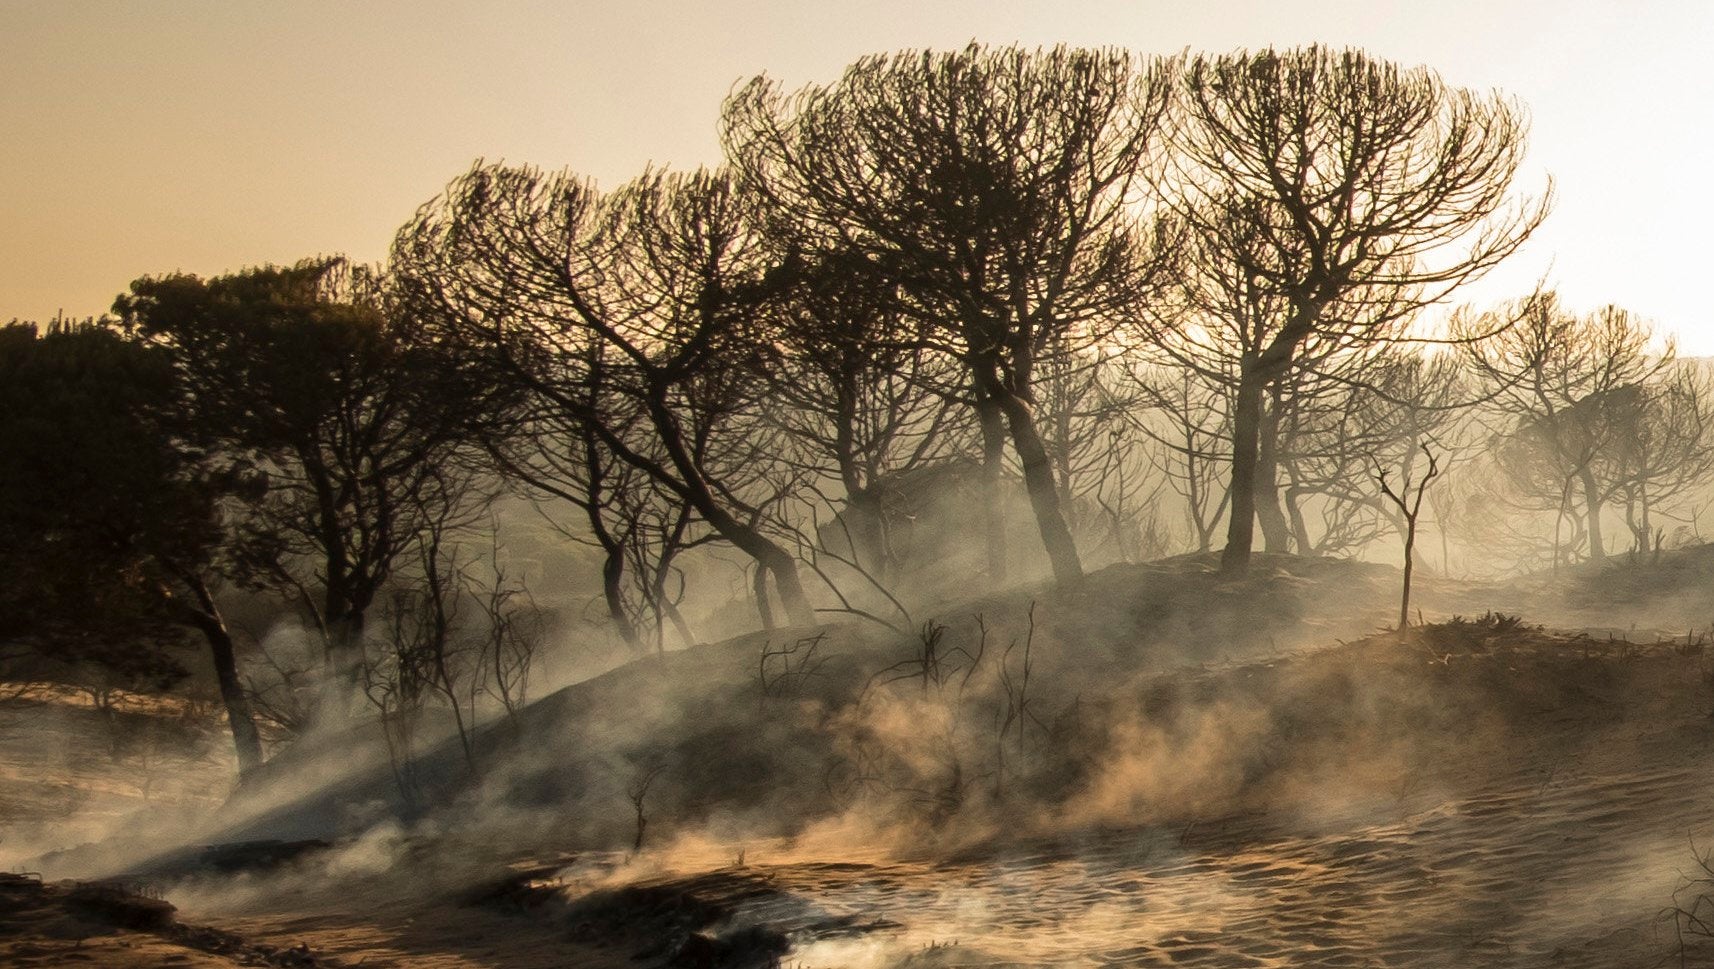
[[146, 137]]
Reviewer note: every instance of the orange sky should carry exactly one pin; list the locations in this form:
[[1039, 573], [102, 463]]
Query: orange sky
[[145, 137]]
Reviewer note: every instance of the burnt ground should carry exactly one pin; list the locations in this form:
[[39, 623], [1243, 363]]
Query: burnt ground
[[1207, 774]]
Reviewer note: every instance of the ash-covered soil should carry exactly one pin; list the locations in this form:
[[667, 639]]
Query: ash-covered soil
[[1569, 843], [72, 923], [1156, 769]]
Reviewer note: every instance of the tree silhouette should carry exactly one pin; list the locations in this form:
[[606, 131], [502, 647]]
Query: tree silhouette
[[1571, 404], [1328, 196], [359, 423], [110, 507], [1384, 407], [540, 279], [1409, 506], [1667, 449], [860, 396], [993, 188]]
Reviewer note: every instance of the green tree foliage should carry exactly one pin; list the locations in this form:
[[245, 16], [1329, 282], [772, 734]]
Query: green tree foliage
[[111, 511], [358, 423]]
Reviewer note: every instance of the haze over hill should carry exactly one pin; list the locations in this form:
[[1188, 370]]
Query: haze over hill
[[1196, 781], [1005, 512]]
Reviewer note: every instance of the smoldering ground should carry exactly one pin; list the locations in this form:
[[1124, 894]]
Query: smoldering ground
[[1183, 770]]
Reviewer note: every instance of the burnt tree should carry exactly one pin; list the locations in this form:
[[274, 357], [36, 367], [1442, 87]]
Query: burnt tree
[[994, 188], [1328, 195]]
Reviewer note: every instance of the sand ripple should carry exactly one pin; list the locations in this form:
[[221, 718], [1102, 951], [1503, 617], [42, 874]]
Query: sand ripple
[[1569, 874]]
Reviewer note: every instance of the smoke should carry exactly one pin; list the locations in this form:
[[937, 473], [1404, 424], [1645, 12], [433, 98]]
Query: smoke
[[79, 772], [1156, 738], [1012, 720]]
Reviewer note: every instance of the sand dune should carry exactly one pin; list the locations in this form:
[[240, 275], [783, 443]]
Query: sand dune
[[1201, 791], [1532, 859]]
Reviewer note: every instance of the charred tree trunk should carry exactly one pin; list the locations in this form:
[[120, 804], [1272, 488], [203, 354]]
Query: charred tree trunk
[[1257, 371], [1409, 507], [1293, 498], [346, 589], [677, 619], [790, 587], [993, 427], [613, 592], [613, 565], [1592, 500], [1043, 489], [867, 532], [759, 591], [246, 740], [1276, 532], [863, 524], [1639, 535], [1409, 569], [1246, 439], [345, 643], [696, 491]]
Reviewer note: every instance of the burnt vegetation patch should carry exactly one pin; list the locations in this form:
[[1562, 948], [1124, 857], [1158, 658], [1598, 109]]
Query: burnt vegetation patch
[[47, 923]]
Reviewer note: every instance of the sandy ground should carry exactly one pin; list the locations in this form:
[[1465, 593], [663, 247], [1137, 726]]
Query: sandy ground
[[1565, 844], [1499, 796], [68, 774], [38, 929], [1569, 846]]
